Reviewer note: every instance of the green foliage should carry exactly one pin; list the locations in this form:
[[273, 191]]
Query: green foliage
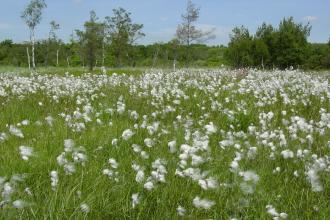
[[260, 52], [32, 13], [291, 43], [240, 48], [91, 39], [12, 54], [112, 43], [74, 54], [318, 57], [32, 17], [266, 33], [283, 47], [122, 33]]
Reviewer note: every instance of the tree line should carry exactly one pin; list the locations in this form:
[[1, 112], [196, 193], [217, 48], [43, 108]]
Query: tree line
[[71, 54], [283, 47], [112, 41]]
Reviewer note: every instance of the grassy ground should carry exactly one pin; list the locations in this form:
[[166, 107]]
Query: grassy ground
[[76, 71], [222, 119]]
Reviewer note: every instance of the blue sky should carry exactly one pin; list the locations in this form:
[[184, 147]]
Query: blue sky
[[161, 17]]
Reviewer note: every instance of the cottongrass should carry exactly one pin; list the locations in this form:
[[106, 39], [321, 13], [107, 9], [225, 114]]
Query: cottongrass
[[16, 131], [276, 216], [26, 152], [135, 200], [19, 204], [202, 203], [127, 134], [181, 211], [85, 208], [54, 179], [176, 136]]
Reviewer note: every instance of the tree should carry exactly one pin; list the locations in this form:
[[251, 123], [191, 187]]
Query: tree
[[325, 61], [53, 42], [174, 47], [5, 48], [122, 33], [91, 39], [267, 34], [32, 17], [187, 33], [260, 52], [291, 43], [53, 28], [284, 47], [239, 51]]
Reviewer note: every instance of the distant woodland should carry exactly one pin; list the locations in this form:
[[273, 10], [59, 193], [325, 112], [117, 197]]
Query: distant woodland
[[112, 42]]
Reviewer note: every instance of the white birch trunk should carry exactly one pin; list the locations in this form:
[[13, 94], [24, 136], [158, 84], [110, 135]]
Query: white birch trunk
[[28, 56], [103, 53], [33, 57], [57, 57], [67, 60]]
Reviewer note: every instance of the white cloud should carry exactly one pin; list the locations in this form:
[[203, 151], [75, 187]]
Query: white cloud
[[310, 18]]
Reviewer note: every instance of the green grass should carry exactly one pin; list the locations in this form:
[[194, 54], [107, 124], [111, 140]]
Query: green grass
[[109, 199], [76, 71]]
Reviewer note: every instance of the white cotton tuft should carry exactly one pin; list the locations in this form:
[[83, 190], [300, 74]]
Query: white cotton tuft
[[181, 211], [286, 154], [54, 179], [68, 145], [149, 142], [113, 163], [127, 134], [49, 120], [250, 176], [114, 142], [26, 152], [196, 160], [7, 191], [149, 185], [203, 203], [172, 146], [210, 128], [135, 200], [314, 179], [15, 131], [139, 176], [209, 183], [69, 168], [19, 204], [84, 208]]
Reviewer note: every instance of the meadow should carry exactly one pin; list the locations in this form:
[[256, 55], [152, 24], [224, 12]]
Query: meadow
[[161, 144]]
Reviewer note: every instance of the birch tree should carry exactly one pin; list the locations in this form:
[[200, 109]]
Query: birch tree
[[32, 17], [53, 38]]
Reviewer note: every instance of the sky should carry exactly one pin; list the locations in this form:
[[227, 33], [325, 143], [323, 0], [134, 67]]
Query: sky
[[160, 17]]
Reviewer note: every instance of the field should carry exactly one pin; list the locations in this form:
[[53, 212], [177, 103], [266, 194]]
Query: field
[[190, 144]]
